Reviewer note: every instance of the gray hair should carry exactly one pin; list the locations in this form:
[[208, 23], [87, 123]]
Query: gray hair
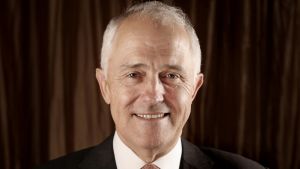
[[159, 12]]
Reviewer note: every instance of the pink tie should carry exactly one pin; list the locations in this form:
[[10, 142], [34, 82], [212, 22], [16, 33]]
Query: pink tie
[[150, 166]]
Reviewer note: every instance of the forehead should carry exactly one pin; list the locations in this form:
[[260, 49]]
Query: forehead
[[144, 35], [145, 41], [150, 30]]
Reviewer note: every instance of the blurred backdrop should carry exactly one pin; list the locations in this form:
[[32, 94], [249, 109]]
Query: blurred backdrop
[[50, 103]]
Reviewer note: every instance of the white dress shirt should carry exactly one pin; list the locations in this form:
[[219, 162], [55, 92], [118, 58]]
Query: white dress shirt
[[127, 159]]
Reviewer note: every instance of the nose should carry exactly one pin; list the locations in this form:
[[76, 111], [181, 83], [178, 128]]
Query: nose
[[154, 90]]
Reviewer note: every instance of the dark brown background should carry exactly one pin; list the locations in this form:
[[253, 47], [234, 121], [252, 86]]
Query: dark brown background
[[50, 103]]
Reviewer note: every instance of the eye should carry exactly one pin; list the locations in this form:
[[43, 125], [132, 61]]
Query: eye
[[133, 75], [132, 78], [172, 76]]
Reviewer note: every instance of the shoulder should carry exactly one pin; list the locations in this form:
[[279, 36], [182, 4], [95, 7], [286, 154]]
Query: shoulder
[[218, 159], [99, 155], [68, 161], [230, 160]]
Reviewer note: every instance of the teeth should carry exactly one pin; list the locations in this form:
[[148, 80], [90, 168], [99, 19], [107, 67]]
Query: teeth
[[150, 116]]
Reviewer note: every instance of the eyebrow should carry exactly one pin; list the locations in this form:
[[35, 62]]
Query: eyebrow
[[139, 65], [132, 66], [174, 67]]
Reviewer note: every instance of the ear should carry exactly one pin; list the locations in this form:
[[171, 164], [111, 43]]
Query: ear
[[198, 83], [104, 87]]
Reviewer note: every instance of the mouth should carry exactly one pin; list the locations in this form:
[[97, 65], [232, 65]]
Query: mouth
[[152, 116]]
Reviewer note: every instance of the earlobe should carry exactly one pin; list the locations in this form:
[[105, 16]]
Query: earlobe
[[198, 84], [102, 82]]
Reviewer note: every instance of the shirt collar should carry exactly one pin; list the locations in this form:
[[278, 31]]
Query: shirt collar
[[127, 159]]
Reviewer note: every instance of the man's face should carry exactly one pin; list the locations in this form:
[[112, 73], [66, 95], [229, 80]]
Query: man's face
[[150, 84]]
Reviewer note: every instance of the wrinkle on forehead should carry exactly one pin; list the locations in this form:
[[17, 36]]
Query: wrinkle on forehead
[[150, 49]]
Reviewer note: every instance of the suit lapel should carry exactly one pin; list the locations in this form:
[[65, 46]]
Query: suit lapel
[[193, 157], [101, 157]]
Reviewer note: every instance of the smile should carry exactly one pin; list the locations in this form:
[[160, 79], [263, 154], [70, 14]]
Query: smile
[[151, 116]]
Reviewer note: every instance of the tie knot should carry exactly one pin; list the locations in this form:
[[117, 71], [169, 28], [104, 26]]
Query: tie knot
[[150, 166]]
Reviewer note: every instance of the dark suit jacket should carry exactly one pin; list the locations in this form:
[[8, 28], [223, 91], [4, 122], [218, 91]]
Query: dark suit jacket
[[102, 157]]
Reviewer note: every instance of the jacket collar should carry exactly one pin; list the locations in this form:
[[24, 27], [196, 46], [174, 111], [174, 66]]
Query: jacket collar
[[193, 157], [100, 157]]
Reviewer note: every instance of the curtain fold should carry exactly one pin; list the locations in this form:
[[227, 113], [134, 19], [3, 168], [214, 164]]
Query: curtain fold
[[50, 103]]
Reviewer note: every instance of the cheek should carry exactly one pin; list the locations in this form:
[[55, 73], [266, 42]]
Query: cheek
[[123, 97], [180, 100], [121, 106]]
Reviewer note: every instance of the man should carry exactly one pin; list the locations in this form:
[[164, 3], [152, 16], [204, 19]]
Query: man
[[150, 74]]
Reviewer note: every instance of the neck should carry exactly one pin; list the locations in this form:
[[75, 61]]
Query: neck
[[150, 154]]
